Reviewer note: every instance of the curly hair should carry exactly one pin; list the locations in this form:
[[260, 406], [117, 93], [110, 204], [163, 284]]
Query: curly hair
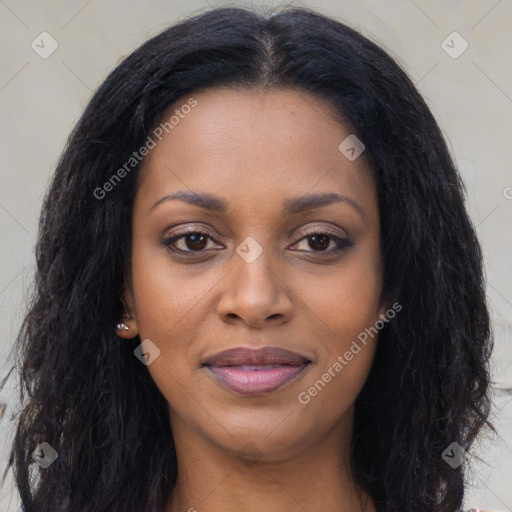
[[82, 389]]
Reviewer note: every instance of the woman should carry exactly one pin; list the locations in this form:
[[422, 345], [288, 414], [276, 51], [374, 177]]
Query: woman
[[257, 285]]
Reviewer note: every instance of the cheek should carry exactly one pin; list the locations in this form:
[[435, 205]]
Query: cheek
[[345, 306], [347, 353], [162, 303], [347, 300], [167, 294]]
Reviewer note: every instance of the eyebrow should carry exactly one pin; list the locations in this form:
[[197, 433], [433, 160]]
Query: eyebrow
[[290, 206]]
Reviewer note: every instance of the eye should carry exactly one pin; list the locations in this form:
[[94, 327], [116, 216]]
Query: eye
[[320, 242], [191, 241], [196, 241]]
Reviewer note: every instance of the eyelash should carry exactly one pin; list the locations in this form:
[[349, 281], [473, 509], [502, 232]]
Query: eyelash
[[169, 241]]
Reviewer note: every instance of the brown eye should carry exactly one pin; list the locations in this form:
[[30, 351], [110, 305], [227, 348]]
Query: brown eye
[[319, 242], [195, 241]]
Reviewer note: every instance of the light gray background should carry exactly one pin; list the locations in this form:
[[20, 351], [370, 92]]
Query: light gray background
[[471, 97]]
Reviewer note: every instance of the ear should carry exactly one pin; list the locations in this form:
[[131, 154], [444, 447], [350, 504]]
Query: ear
[[127, 327]]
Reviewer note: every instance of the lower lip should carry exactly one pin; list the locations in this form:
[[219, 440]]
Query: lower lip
[[250, 381]]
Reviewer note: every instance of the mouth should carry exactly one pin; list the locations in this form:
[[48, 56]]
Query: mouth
[[255, 372]]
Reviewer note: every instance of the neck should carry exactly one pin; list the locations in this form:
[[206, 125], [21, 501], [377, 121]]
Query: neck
[[315, 479]]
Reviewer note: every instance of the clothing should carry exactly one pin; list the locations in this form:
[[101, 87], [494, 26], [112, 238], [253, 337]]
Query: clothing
[[386, 509]]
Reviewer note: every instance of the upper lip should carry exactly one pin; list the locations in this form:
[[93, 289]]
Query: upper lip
[[263, 356]]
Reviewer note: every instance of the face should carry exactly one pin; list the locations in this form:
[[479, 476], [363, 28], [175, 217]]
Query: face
[[259, 264]]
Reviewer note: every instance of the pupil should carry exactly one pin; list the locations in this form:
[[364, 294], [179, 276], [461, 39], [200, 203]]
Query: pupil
[[196, 239], [324, 245]]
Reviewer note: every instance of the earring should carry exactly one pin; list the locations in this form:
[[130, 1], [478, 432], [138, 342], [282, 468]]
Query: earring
[[122, 326]]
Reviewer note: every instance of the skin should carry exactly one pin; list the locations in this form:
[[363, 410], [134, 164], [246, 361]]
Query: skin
[[256, 149]]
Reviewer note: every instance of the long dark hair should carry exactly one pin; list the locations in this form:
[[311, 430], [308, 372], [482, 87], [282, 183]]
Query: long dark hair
[[85, 393]]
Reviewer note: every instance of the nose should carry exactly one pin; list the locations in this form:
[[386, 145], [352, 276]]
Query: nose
[[255, 294]]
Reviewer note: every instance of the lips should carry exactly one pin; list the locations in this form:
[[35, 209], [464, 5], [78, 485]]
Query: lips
[[252, 372], [264, 356]]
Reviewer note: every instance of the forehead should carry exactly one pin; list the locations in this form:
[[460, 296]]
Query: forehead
[[246, 144]]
